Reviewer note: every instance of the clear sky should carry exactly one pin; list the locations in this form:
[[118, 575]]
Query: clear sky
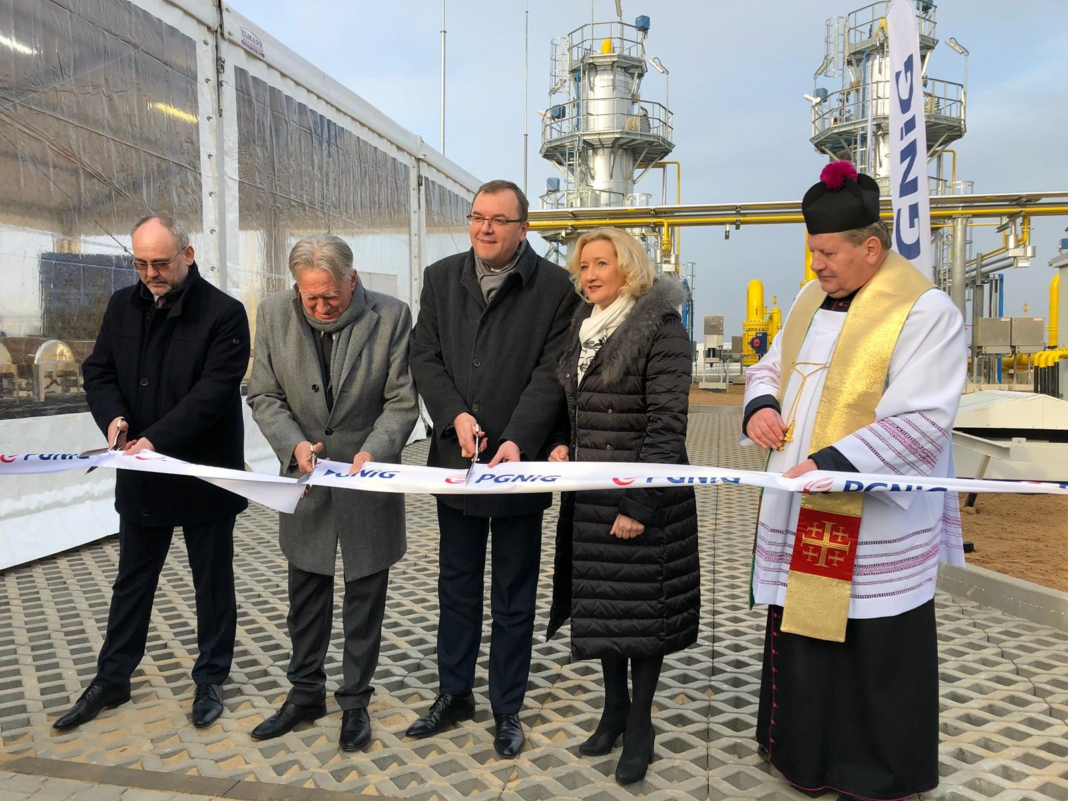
[[738, 73]]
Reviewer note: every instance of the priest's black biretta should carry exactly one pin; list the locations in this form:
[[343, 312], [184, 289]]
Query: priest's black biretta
[[842, 200]]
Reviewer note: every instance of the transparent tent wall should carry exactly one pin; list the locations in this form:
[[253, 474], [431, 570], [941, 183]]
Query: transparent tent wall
[[301, 173], [98, 125], [446, 221]]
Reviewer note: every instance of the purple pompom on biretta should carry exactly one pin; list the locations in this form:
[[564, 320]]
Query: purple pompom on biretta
[[834, 174]]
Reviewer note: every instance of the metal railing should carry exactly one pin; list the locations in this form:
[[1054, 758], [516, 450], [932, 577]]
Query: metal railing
[[851, 106], [629, 116], [865, 23], [589, 40]]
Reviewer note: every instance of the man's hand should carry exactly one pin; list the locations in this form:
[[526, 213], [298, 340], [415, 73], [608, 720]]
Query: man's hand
[[303, 454], [626, 528], [138, 445], [559, 454], [508, 452], [117, 429], [359, 460], [766, 428], [806, 466], [465, 426]]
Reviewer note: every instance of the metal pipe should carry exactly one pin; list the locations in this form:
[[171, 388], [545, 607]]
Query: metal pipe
[[442, 77], [956, 275], [977, 312], [942, 207], [526, 94]]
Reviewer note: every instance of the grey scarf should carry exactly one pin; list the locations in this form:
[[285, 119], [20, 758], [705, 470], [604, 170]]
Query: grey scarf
[[347, 318], [490, 280]]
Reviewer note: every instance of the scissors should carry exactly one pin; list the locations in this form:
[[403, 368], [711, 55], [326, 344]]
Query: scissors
[[474, 459], [112, 448]]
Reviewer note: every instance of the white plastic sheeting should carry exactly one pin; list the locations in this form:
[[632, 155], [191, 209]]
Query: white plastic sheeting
[[111, 110]]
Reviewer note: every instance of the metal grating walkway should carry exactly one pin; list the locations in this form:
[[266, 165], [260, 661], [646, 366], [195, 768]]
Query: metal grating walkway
[[1004, 682]]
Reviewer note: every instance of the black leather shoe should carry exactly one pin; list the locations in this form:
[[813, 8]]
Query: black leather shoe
[[509, 738], [207, 705], [355, 729], [94, 700], [609, 729], [286, 719], [445, 710], [637, 754]]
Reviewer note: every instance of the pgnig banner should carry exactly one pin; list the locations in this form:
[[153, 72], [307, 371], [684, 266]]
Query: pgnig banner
[[283, 494]]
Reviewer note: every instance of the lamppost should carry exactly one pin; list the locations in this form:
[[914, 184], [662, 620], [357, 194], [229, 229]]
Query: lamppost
[[667, 81], [962, 50]]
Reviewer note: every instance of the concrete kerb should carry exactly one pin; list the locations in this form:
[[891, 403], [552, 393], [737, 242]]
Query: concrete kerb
[[1013, 596]]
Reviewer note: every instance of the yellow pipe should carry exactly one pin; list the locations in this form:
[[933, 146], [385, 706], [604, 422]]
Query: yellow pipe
[[678, 178], [754, 302], [774, 318], [809, 275], [771, 219], [953, 180], [1054, 310]]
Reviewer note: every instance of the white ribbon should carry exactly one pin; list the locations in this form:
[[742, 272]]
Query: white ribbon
[[276, 492], [510, 478], [282, 494]]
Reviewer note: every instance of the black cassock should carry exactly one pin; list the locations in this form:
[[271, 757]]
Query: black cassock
[[859, 717]]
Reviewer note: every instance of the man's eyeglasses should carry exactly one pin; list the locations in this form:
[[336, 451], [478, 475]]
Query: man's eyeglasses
[[159, 265], [497, 222]]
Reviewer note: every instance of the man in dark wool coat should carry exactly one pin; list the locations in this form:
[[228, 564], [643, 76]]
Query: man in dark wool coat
[[492, 324], [165, 375]]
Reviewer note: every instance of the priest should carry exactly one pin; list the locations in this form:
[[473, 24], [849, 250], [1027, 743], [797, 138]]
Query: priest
[[866, 376]]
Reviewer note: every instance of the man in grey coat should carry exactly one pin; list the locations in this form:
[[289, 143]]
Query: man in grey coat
[[330, 366]]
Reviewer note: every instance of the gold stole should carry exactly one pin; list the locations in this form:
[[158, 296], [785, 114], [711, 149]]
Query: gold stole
[[828, 526]]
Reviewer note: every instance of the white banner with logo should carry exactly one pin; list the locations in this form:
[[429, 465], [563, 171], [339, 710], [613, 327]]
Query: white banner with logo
[[908, 138], [283, 494]]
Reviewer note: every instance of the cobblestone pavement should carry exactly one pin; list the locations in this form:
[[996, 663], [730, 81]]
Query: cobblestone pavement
[[1004, 682]]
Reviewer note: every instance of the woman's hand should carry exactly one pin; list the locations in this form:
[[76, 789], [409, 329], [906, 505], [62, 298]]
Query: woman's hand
[[626, 528], [559, 454]]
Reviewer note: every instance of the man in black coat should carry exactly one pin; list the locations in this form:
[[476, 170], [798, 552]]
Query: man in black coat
[[492, 324], [165, 375]]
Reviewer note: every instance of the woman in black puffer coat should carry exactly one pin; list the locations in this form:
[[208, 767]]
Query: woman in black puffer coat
[[627, 572]]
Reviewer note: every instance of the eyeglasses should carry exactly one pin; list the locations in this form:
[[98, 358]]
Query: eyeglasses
[[160, 265], [497, 222]]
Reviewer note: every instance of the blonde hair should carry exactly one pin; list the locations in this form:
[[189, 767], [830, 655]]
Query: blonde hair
[[322, 252], [633, 261]]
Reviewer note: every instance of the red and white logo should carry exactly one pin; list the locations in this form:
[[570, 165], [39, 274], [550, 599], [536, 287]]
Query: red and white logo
[[625, 482], [819, 485], [459, 479], [7, 459]]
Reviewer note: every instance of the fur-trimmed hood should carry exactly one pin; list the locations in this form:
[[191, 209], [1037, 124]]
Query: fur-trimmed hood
[[634, 335]]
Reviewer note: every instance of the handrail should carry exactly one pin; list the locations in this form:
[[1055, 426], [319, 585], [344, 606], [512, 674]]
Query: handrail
[[1035, 204]]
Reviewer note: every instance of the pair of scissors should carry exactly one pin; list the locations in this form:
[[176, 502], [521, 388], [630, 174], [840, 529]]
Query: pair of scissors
[[112, 448], [474, 459]]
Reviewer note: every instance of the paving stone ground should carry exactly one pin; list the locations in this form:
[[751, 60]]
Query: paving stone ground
[[1004, 683]]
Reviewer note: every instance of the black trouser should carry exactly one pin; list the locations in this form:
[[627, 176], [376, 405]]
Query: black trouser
[[311, 618], [516, 556], [142, 552]]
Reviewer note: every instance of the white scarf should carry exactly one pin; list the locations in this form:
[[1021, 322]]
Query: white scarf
[[598, 327]]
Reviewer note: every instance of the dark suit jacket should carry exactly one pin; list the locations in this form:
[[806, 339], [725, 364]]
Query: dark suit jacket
[[175, 375], [496, 362]]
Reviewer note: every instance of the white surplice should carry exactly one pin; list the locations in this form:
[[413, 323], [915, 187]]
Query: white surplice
[[903, 536]]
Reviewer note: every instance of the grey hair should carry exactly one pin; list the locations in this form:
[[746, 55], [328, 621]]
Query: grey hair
[[322, 252], [176, 229], [878, 229]]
